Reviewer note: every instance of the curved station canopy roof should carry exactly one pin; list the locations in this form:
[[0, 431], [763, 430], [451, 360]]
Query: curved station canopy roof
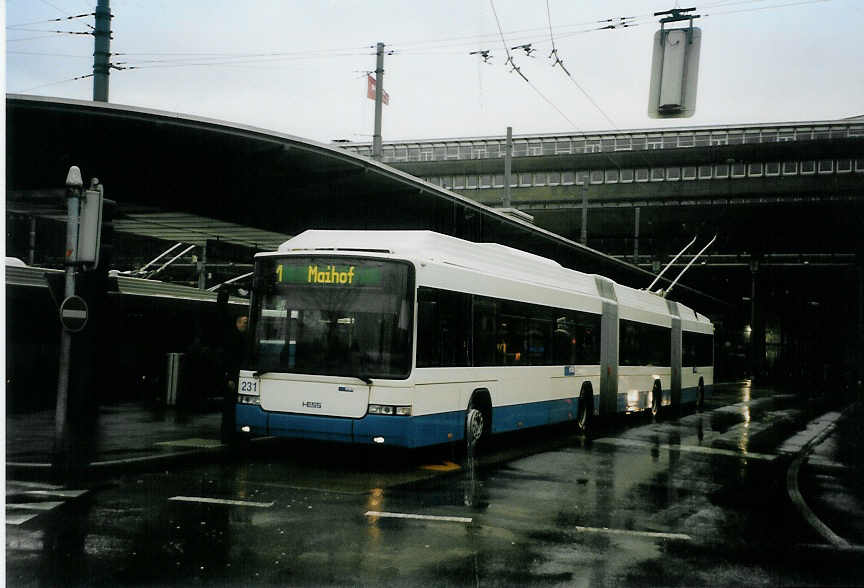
[[179, 177]]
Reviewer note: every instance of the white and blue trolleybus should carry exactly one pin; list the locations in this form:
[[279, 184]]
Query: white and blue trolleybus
[[413, 338]]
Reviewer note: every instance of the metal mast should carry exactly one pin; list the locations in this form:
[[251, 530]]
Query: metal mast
[[101, 51]]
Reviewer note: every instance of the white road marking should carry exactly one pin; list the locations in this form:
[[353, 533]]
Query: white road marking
[[33, 505], [651, 534], [17, 484], [60, 493], [19, 519], [221, 501], [193, 442], [686, 448], [399, 515]]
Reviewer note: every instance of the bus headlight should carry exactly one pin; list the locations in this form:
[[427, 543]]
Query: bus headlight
[[389, 410]]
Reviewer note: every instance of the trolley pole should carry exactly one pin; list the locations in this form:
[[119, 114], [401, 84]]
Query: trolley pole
[[73, 196], [101, 51], [379, 94]]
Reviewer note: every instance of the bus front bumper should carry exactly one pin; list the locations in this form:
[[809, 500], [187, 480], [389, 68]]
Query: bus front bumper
[[396, 431]]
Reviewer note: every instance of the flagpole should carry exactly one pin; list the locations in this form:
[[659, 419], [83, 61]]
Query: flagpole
[[379, 91]]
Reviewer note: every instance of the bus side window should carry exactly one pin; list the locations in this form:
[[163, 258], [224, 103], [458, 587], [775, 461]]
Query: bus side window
[[444, 329], [484, 341], [428, 344]]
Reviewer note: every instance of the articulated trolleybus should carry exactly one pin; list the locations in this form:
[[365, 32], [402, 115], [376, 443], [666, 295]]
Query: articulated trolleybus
[[413, 338]]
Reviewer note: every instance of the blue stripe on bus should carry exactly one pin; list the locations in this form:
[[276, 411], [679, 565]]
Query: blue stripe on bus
[[533, 414], [397, 431], [416, 431]]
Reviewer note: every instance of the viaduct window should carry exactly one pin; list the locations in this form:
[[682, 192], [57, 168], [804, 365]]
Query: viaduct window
[[790, 168], [520, 148], [772, 168], [844, 166], [642, 174], [673, 174], [721, 171], [626, 175], [826, 166], [688, 172], [704, 172], [754, 170], [622, 144], [808, 167]]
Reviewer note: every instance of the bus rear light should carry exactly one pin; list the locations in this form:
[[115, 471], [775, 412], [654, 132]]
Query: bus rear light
[[246, 399], [389, 410]]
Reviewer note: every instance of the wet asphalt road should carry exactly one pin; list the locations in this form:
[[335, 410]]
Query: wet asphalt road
[[641, 501]]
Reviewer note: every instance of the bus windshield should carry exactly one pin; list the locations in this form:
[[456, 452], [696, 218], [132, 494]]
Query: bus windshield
[[336, 316]]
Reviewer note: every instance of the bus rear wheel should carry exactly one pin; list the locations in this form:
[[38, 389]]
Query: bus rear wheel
[[700, 395], [656, 398], [586, 408]]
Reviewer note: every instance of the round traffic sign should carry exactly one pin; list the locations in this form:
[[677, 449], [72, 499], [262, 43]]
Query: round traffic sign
[[73, 313]]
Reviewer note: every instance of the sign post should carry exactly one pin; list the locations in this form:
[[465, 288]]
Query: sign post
[[73, 193]]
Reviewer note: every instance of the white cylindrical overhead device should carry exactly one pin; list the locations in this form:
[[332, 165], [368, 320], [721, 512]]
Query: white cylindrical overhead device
[[672, 76]]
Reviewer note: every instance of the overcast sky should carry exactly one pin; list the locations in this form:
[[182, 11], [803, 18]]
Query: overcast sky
[[298, 66]]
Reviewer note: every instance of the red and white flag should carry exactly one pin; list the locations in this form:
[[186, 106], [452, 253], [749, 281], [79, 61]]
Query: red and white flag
[[370, 90]]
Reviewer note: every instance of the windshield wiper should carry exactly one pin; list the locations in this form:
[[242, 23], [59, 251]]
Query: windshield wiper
[[365, 379]]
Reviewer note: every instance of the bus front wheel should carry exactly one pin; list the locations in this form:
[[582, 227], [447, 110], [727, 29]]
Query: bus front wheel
[[475, 425]]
